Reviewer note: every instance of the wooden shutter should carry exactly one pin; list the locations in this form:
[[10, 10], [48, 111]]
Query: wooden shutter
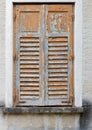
[[43, 54], [28, 43], [59, 66]]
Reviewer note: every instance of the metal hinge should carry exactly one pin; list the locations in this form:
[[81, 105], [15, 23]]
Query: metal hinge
[[16, 98], [73, 17], [15, 58], [72, 98], [14, 17]]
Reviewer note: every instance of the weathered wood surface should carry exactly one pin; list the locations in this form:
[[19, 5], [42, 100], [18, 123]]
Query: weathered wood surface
[[43, 54]]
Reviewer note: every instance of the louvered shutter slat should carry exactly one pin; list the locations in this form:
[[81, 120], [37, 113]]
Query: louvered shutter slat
[[26, 94], [29, 54]]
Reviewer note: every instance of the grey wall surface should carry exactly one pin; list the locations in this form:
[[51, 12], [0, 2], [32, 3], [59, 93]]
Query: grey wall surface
[[86, 118], [2, 50], [52, 121]]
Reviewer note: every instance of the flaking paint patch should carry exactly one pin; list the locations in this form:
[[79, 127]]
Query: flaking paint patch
[[18, 64], [58, 23]]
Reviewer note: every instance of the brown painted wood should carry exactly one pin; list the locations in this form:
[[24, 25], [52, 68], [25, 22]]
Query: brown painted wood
[[15, 58]]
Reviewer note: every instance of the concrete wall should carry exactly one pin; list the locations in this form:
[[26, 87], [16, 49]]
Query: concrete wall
[[2, 50], [87, 50], [86, 118], [52, 121]]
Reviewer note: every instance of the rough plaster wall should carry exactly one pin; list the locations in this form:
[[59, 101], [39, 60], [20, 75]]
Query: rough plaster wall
[[52, 122], [42, 122], [86, 118], [87, 61], [87, 50], [2, 49]]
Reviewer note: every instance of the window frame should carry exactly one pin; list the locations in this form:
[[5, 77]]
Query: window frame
[[77, 49]]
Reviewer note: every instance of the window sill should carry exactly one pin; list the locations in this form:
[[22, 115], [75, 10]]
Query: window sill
[[47, 110]]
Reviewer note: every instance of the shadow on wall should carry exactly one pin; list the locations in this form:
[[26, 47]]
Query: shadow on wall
[[86, 116]]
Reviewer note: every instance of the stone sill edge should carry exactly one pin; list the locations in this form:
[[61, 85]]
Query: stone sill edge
[[43, 110]]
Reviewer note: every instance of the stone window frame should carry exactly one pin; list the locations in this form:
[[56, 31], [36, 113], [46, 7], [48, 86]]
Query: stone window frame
[[77, 49]]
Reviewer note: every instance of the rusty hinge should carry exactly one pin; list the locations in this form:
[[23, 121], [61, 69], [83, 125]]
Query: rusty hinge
[[71, 57], [15, 56], [16, 98], [71, 98], [73, 17], [14, 17]]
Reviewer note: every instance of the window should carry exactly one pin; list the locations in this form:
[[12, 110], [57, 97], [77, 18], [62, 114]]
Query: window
[[43, 54], [12, 74]]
